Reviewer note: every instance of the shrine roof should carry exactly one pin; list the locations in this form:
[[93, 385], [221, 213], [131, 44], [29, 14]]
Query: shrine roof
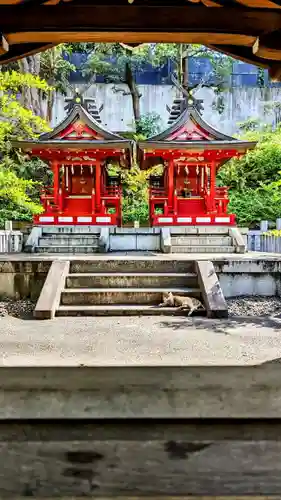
[[78, 114], [245, 29], [79, 131], [191, 132]]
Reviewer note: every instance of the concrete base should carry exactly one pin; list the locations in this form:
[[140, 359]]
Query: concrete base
[[23, 276], [92, 239], [211, 291], [111, 408]]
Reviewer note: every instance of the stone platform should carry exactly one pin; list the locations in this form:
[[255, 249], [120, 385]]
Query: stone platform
[[252, 273], [140, 406], [110, 407]]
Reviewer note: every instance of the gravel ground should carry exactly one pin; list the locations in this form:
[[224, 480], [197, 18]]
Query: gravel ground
[[242, 306], [16, 308], [254, 306]]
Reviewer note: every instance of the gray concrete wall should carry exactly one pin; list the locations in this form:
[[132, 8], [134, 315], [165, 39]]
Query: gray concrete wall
[[140, 457], [142, 392], [95, 468], [239, 104], [250, 277], [24, 277], [142, 239]]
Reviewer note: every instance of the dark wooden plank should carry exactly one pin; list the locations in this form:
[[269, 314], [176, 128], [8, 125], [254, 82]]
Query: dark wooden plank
[[69, 16], [140, 429]]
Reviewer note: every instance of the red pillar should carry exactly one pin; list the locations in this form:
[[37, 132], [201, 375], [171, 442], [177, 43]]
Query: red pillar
[[213, 184], [171, 184], [55, 168], [98, 185]]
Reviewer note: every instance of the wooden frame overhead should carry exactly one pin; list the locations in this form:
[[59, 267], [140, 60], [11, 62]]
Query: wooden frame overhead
[[246, 29]]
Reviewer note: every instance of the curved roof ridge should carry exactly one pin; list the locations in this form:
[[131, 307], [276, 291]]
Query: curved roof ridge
[[79, 112], [206, 126], [190, 113]]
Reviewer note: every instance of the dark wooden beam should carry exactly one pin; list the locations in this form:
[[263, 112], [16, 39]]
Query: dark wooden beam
[[268, 46], [138, 429], [135, 18], [18, 51], [242, 54]]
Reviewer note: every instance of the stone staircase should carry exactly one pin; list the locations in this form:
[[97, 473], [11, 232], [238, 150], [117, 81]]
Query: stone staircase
[[203, 240], [121, 287], [117, 287], [68, 240]]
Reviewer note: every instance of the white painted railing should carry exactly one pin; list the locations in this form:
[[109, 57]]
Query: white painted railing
[[11, 241]]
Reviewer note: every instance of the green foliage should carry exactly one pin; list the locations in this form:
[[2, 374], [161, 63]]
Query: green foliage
[[18, 194], [250, 125], [261, 77], [135, 210], [135, 191], [259, 166], [148, 125], [55, 69], [254, 180], [253, 205], [15, 120], [16, 197]]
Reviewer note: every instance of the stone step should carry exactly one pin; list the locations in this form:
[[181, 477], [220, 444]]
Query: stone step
[[203, 249], [122, 310], [130, 280], [135, 265], [106, 296], [70, 230], [83, 249], [197, 240], [199, 230], [71, 240], [74, 236]]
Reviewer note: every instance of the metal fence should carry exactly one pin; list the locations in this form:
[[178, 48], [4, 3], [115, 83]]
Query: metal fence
[[258, 241], [10, 241]]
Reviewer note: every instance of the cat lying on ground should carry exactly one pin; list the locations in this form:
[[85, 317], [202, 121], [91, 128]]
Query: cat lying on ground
[[181, 302]]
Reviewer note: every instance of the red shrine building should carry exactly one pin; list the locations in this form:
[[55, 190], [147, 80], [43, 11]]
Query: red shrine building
[[80, 153], [191, 153], [85, 190]]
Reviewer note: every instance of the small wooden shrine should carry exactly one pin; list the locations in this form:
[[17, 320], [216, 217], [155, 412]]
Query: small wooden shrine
[[80, 152], [191, 152]]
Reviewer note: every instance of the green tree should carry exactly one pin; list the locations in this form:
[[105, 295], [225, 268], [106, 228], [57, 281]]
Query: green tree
[[52, 67], [254, 180], [18, 194], [119, 63]]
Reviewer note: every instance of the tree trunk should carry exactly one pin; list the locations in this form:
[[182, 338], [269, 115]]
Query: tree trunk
[[185, 69], [30, 96], [50, 105], [130, 81]]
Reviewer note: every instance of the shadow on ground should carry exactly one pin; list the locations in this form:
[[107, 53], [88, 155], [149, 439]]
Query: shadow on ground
[[224, 326]]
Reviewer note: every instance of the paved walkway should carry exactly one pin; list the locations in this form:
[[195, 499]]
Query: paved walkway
[[139, 340]]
